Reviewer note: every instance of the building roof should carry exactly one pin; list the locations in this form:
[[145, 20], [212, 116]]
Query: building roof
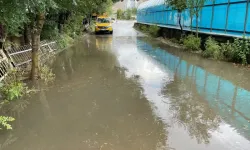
[[150, 3]]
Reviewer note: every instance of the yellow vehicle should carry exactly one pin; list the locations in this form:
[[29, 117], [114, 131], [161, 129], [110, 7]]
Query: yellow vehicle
[[103, 24]]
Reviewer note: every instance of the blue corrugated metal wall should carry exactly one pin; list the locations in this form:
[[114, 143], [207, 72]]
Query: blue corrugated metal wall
[[225, 17]]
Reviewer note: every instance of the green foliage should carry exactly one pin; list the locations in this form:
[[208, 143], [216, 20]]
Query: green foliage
[[154, 30], [106, 7], [192, 43], [213, 49], [125, 15], [144, 28], [228, 51], [120, 14], [12, 16], [195, 7], [128, 14], [4, 122], [13, 91], [13, 88], [47, 75], [241, 50], [64, 41], [179, 5], [74, 26], [49, 32], [134, 11], [238, 51]]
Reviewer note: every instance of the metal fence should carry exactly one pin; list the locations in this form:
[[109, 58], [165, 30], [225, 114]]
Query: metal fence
[[5, 65], [22, 56]]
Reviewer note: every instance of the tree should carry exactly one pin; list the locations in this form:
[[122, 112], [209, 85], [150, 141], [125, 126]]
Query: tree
[[37, 10], [128, 13], [119, 14], [12, 17], [16, 14], [180, 6], [134, 11], [195, 7]]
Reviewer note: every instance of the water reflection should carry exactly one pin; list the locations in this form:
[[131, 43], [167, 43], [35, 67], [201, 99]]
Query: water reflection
[[95, 106], [193, 88], [190, 111]]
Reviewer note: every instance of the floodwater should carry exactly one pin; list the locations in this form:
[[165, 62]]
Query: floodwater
[[130, 92]]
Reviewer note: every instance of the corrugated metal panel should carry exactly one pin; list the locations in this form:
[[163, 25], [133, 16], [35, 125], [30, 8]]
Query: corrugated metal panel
[[151, 4], [222, 17]]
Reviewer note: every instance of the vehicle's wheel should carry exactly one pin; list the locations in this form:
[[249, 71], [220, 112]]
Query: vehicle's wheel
[[111, 32]]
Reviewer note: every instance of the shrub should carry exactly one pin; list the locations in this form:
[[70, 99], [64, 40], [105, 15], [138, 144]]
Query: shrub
[[64, 41], [4, 122], [120, 14], [47, 75], [228, 51], [144, 28], [50, 31], [241, 50], [13, 88], [154, 30], [74, 26], [128, 14], [192, 42], [238, 51], [213, 49]]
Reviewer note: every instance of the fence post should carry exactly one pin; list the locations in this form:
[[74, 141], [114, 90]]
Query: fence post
[[212, 19], [50, 49], [246, 17], [228, 4]]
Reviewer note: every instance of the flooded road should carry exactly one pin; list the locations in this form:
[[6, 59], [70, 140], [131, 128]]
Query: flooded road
[[130, 92]]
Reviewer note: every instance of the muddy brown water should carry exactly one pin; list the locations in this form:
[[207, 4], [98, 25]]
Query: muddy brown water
[[128, 92]]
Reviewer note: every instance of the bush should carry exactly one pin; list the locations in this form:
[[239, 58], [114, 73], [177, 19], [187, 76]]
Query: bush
[[192, 42], [64, 41], [154, 30], [4, 122], [13, 88], [212, 49], [238, 51], [228, 51], [74, 26], [128, 14], [49, 32], [47, 75], [144, 28], [120, 14], [241, 50]]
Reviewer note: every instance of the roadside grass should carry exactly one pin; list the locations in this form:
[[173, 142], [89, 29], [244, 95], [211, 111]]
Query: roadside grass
[[237, 51]]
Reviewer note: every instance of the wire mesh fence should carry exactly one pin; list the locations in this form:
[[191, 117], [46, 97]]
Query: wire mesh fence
[[5, 65], [21, 57]]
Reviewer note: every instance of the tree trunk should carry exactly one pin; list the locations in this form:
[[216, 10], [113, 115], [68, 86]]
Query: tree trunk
[[179, 14], [191, 26], [27, 34], [197, 16], [36, 32], [60, 22]]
